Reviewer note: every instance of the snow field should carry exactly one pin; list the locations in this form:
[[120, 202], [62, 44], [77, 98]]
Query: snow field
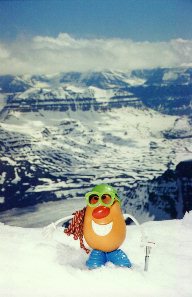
[[34, 266]]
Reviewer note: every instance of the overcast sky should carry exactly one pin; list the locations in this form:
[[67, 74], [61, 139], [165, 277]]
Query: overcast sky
[[47, 36]]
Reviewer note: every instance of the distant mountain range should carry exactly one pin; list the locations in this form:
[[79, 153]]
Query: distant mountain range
[[163, 89], [61, 134]]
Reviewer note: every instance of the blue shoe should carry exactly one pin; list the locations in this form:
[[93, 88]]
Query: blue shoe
[[96, 259], [119, 258]]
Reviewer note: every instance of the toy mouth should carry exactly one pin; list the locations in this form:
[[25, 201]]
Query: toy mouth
[[102, 230]]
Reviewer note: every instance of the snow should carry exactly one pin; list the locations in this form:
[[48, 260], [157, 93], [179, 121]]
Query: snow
[[2, 99], [17, 178], [33, 266], [187, 220], [75, 89], [182, 124], [170, 75], [2, 178], [9, 160], [49, 185], [102, 95], [135, 81], [2, 199]]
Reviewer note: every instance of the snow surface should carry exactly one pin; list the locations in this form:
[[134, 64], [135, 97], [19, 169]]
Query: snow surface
[[170, 75], [2, 100], [101, 95], [34, 266]]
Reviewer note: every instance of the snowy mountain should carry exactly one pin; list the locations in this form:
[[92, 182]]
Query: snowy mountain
[[53, 155], [61, 134], [62, 271], [163, 89]]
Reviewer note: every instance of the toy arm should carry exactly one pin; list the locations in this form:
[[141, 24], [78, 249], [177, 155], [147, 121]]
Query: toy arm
[[48, 230], [65, 219], [144, 239]]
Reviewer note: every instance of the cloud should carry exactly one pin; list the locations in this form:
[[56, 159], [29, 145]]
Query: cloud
[[44, 54], [3, 52]]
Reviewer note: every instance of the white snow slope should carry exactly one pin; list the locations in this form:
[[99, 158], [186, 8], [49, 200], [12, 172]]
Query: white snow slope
[[34, 266]]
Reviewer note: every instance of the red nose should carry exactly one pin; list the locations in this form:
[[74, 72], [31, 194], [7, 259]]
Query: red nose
[[101, 212]]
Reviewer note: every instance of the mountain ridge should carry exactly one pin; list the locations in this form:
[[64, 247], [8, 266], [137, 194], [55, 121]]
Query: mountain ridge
[[168, 90]]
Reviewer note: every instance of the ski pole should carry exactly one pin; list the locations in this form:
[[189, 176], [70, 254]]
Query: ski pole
[[147, 253]]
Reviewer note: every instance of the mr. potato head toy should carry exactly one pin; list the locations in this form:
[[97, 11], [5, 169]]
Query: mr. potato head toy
[[102, 225]]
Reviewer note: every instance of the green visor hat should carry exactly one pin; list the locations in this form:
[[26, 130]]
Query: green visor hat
[[102, 194]]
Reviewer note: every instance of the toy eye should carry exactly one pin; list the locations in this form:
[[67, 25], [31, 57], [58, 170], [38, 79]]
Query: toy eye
[[93, 199], [106, 198]]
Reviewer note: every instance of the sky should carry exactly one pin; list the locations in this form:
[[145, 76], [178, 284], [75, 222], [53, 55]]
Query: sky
[[43, 36]]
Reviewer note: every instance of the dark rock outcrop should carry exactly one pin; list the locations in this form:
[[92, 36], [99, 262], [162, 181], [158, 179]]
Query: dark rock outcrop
[[168, 196]]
